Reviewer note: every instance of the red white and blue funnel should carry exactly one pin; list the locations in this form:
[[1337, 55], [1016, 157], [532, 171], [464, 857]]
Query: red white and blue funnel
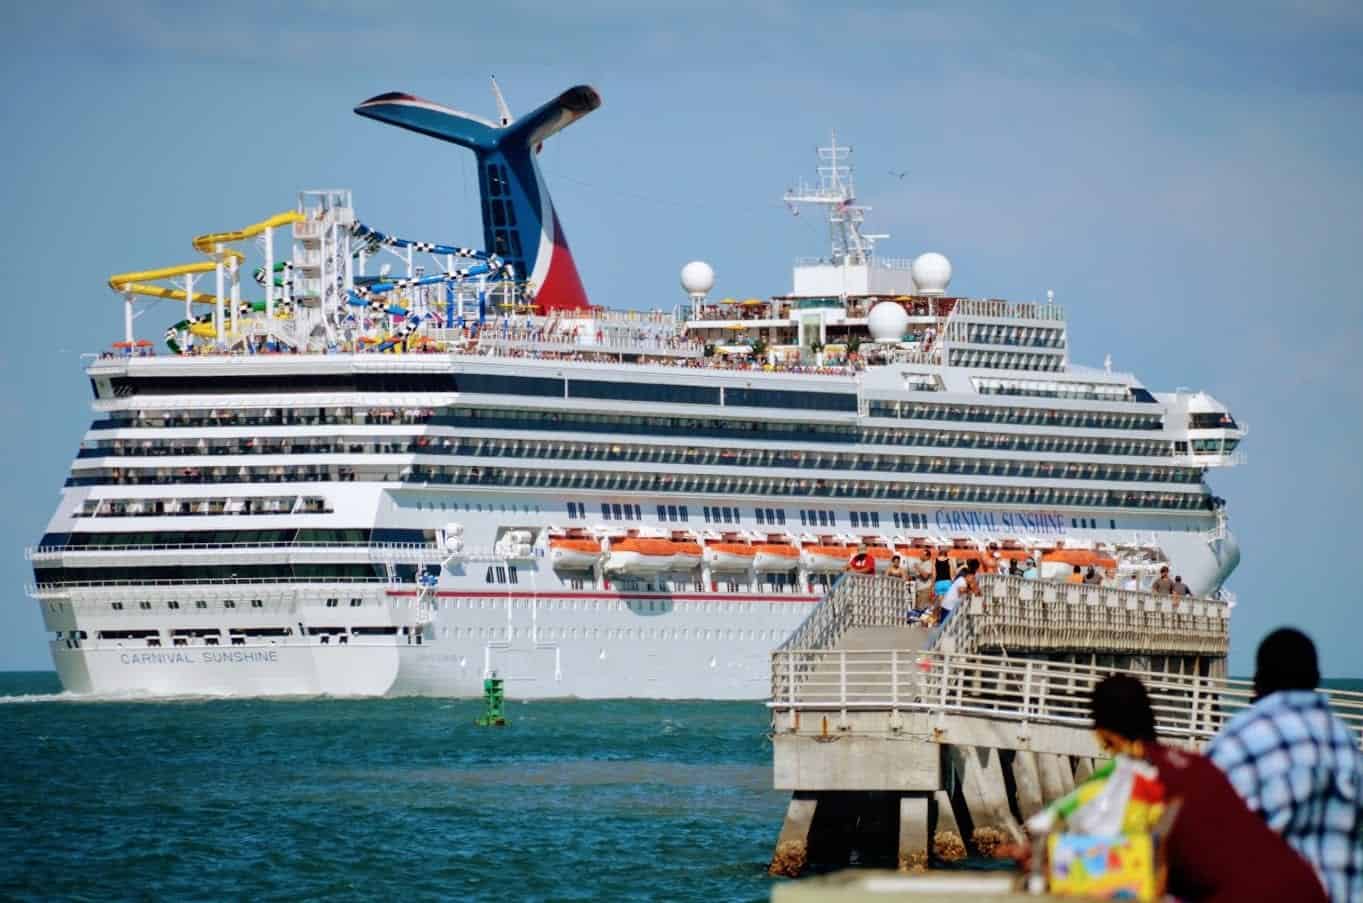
[[519, 222]]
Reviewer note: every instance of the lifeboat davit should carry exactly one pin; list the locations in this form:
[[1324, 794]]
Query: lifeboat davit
[[643, 556], [574, 554], [825, 559], [775, 556], [729, 556]]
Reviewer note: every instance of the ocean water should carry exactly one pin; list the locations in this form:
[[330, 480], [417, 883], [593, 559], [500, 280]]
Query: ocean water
[[381, 799]]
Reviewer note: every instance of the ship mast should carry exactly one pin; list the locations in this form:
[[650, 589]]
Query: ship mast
[[836, 192]]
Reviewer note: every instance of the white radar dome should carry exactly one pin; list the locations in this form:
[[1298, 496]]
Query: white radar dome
[[931, 273], [697, 277], [887, 322]]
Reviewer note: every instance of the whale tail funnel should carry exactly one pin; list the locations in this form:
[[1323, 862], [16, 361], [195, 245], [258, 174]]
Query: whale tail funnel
[[519, 221]]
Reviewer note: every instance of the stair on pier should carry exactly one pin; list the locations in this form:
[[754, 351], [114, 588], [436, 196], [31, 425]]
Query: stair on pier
[[869, 676]]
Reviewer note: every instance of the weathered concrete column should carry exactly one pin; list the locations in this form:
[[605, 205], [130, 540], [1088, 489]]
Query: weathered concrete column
[[986, 796], [792, 846], [1027, 779], [948, 843], [913, 833], [1051, 768]]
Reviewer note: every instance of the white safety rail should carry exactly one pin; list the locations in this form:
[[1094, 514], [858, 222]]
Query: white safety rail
[[855, 600], [1053, 616], [999, 688]]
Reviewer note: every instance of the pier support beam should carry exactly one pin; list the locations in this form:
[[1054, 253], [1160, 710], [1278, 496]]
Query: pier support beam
[[1027, 781], [792, 846], [986, 796], [1049, 767], [914, 841]]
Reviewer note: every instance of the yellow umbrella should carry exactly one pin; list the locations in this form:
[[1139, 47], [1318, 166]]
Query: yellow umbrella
[[728, 301], [736, 327], [752, 302]]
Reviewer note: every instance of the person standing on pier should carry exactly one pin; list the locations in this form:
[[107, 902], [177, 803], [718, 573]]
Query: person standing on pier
[[1297, 764]]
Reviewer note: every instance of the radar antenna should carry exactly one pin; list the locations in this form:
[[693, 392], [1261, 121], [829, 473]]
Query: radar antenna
[[836, 192]]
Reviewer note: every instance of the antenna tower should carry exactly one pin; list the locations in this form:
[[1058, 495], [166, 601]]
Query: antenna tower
[[836, 192]]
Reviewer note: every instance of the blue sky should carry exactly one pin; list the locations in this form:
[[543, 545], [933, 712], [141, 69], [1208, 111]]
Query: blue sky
[[1186, 178]]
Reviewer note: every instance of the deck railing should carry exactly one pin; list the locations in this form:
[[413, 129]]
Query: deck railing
[[1023, 690]]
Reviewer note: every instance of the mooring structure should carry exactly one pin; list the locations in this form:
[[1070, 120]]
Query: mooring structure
[[901, 744]]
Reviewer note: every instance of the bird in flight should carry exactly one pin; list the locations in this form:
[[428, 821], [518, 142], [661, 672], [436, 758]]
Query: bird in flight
[[898, 173]]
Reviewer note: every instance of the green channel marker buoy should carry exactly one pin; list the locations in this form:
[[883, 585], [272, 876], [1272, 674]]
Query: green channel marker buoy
[[493, 697]]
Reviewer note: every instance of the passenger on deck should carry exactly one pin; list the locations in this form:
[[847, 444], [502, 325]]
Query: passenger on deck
[[1092, 577], [1180, 588], [941, 573], [1162, 583], [1030, 570], [1076, 576], [963, 587], [896, 569], [1217, 849]]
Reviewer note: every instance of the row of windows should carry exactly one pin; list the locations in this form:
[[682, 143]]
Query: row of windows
[[673, 513], [687, 427], [864, 518], [776, 516], [1022, 416], [1005, 360], [767, 458], [500, 574], [203, 507], [577, 511], [304, 536], [618, 511], [1020, 336], [598, 480], [722, 514], [910, 520], [483, 383], [473, 445], [341, 573], [812, 518], [173, 605]]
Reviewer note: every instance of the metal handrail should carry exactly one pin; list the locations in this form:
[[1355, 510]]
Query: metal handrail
[[1031, 690]]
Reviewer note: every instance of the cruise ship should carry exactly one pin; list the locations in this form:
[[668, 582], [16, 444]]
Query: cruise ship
[[401, 466]]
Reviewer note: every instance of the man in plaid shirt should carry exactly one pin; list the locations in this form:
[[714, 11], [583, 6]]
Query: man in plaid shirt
[[1298, 765]]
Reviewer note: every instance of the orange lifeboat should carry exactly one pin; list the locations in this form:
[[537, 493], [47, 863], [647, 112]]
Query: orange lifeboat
[[729, 556], [825, 559], [642, 556], [574, 554], [686, 556], [1060, 563], [776, 556]]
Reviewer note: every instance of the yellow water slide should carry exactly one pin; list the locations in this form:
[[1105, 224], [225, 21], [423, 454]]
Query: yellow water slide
[[208, 243], [211, 243]]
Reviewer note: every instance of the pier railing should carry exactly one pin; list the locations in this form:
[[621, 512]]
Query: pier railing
[[1012, 614], [1027, 691], [854, 600]]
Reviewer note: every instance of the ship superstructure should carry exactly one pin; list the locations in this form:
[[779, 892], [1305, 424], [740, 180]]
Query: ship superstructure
[[382, 482]]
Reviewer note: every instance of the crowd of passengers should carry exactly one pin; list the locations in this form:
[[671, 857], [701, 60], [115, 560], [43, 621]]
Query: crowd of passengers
[[940, 583]]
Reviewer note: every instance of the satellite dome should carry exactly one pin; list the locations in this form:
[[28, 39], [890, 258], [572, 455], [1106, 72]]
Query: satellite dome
[[887, 322], [697, 277], [931, 273]]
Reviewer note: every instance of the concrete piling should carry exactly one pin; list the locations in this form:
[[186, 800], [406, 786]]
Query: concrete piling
[[792, 846]]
